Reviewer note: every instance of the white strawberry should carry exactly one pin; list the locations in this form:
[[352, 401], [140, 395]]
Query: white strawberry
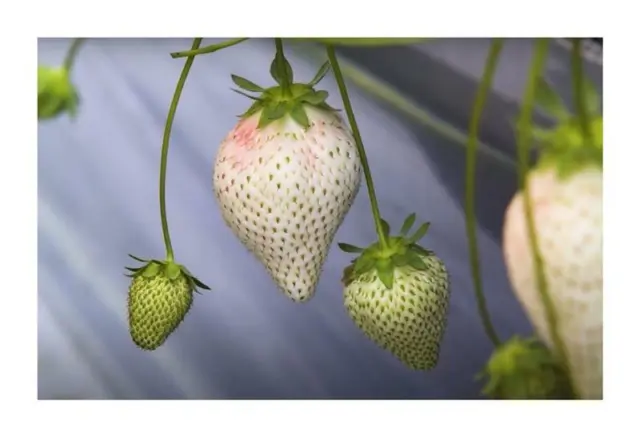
[[285, 178], [566, 196]]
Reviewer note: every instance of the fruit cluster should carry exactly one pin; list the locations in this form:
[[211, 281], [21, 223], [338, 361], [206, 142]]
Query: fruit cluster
[[287, 174]]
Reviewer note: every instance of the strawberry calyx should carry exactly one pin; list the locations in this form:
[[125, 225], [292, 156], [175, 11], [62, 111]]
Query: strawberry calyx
[[401, 251], [524, 369], [56, 93], [286, 99], [564, 146], [168, 268]]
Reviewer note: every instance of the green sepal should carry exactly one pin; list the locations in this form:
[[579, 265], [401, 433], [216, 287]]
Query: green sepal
[[408, 223], [315, 97], [142, 260], [385, 270], [421, 232], [246, 84], [249, 96], [550, 101], [281, 77], [322, 72], [173, 271], [385, 227], [401, 252], [349, 248], [151, 270], [299, 115]]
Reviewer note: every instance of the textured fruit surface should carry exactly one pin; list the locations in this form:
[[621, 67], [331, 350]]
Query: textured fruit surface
[[409, 319], [568, 220], [285, 190], [157, 306]]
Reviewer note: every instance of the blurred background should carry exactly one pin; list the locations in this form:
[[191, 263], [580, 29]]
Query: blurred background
[[98, 201]]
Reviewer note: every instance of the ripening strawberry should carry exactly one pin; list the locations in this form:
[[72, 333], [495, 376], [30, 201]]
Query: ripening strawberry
[[285, 178], [524, 369], [565, 189], [399, 297], [160, 296]]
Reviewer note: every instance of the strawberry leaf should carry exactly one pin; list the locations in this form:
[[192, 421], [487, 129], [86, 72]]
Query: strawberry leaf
[[246, 84], [408, 222], [320, 74], [299, 115], [350, 248], [139, 259], [421, 232], [549, 101]]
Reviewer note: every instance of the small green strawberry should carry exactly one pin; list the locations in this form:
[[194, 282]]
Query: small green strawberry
[[160, 296], [56, 93], [285, 177], [565, 188], [525, 369], [399, 296]]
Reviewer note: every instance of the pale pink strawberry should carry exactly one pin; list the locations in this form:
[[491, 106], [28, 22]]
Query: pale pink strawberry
[[285, 178], [565, 189]]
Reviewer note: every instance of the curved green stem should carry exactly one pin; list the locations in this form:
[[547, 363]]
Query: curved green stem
[[331, 53], [470, 216], [525, 124], [208, 49], [165, 148], [578, 92], [72, 53]]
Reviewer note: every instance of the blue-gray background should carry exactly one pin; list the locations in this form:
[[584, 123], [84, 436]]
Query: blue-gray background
[[98, 201]]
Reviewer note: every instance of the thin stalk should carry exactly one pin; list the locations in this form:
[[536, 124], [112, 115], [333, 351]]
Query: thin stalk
[[208, 49], [331, 53], [470, 216], [72, 53], [165, 148], [578, 92], [524, 137]]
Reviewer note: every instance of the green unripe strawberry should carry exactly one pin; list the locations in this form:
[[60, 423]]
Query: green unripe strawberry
[[56, 93], [525, 369], [160, 296], [399, 297]]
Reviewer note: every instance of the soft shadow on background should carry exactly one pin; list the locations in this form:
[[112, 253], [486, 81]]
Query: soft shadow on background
[[98, 201]]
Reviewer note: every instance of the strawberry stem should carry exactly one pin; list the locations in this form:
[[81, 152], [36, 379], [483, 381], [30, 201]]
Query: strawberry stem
[[72, 53], [470, 216], [578, 92], [524, 136], [382, 236], [165, 148], [208, 49]]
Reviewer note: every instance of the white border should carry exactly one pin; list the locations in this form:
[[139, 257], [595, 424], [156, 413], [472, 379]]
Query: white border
[[21, 22]]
